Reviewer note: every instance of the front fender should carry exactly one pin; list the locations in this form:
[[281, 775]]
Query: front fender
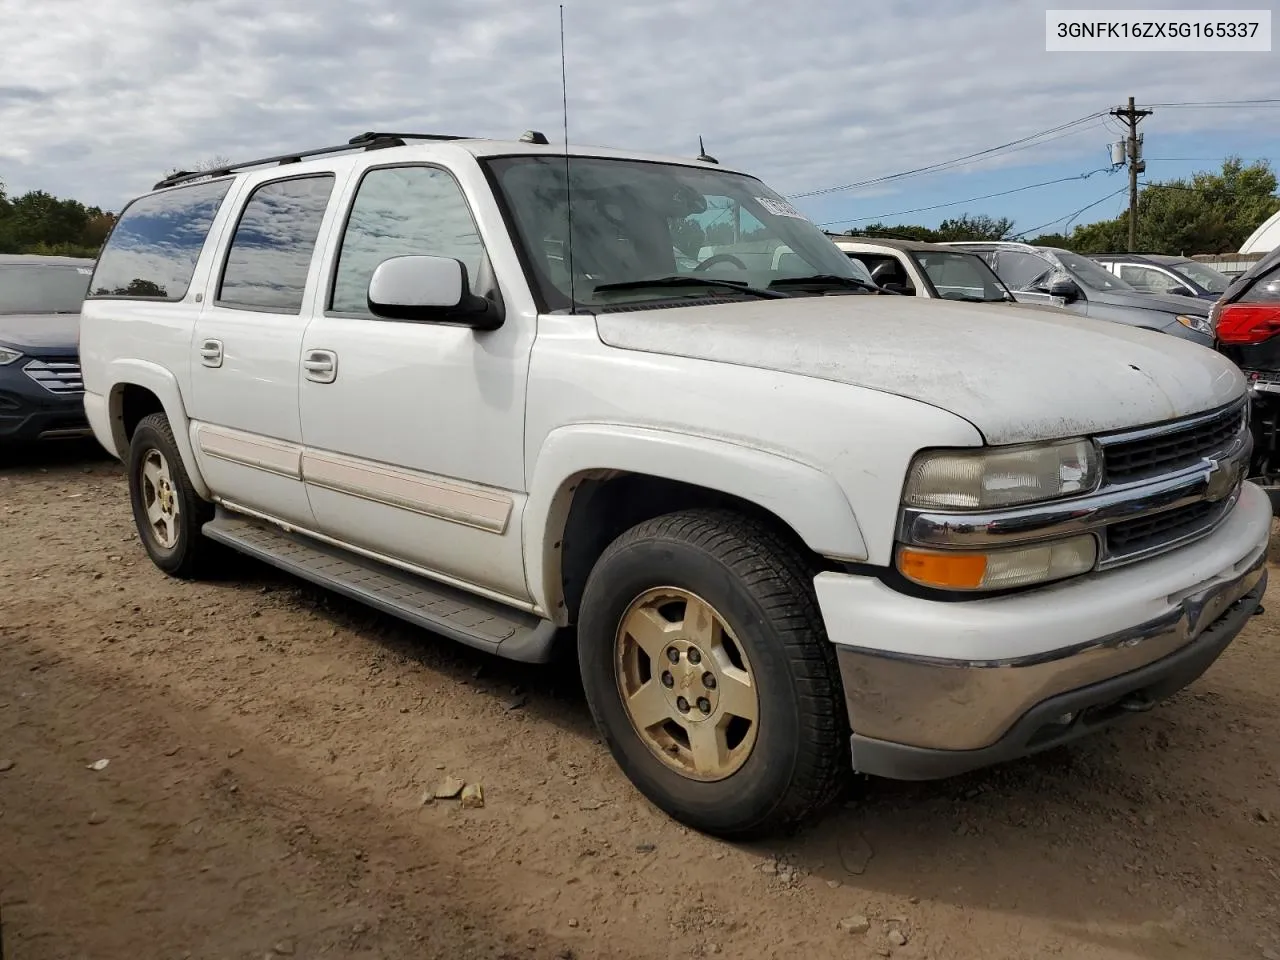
[[162, 383], [808, 500]]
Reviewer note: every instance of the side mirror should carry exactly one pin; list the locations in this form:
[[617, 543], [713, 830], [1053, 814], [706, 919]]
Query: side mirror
[[429, 290], [1183, 291], [1065, 288]]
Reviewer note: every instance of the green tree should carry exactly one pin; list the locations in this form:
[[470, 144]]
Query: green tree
[[1207, 213], [1051, 240], [963, 227], [980, 227], [38, 222]]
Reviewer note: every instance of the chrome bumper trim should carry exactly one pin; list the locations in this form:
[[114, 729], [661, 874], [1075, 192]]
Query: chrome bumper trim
[[1216, 479], [968, 705]]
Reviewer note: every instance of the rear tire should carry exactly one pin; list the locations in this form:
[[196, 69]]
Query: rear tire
[[689, 624], [167, 511]]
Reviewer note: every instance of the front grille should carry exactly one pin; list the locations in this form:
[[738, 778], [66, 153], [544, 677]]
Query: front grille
[[1164, 529], [1170, 450], [57, 376]]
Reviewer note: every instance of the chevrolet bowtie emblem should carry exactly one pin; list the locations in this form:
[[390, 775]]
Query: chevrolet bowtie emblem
[[1222, 479]]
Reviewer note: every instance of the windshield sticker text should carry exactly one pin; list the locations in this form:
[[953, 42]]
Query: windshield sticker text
[[780, 208]]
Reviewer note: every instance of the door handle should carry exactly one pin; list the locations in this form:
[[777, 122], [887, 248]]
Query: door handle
[[321, 365], [211, 353]]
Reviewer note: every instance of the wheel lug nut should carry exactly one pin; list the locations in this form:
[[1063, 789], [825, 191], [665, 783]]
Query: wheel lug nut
[[682, 704], [694, 655], [709, 680], [704, 704], [673, 654], [667, 679]]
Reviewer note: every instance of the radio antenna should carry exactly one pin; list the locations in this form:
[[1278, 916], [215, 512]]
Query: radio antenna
[[568, 191]]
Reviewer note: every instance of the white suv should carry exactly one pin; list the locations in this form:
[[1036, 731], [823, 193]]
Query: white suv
[[795, 530]]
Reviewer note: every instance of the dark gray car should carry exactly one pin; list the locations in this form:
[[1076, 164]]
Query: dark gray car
[[1061, 278], [41, 395]]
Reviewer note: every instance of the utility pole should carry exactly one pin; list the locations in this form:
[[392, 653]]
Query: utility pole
[[1131, 116]]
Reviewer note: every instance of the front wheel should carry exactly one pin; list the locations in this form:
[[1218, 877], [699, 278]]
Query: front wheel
[[709, 673], [166, 508]]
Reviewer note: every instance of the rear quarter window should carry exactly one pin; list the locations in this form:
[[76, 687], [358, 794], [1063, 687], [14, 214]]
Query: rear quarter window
[[152, 252]]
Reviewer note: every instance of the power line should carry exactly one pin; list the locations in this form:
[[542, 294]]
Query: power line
[[1071, 216], [1219, 103], [954, 203], [955, 161]]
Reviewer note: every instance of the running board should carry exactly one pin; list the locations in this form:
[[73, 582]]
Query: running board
[[475, 621]]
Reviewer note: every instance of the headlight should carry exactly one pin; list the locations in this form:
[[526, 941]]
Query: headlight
[[8, 355], [999, 569], [1198, 324], [995, 477]]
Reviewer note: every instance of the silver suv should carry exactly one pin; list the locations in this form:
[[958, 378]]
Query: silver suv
[[1059, 277]]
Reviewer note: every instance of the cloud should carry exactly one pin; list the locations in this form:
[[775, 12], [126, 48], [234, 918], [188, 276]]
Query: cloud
[[99, 98]]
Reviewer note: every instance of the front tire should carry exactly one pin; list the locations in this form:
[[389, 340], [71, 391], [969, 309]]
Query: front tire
[[166, 508], [709, 673]]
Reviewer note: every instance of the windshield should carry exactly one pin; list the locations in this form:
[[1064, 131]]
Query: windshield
[[42, 287], [1089, 274], [1207, 278], [961, 276], [635, 221]]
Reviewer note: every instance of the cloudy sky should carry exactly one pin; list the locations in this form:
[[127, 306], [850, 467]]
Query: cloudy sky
[[100, 97]]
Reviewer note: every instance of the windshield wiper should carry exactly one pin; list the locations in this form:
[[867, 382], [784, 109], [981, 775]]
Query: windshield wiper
[[968, 298], [824, 280], [682, 281]]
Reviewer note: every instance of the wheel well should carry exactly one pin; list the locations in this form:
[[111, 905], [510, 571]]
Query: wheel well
[[604, 509], [135, 403]]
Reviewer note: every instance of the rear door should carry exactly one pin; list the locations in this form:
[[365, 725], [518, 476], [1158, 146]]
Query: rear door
[[248, 341]]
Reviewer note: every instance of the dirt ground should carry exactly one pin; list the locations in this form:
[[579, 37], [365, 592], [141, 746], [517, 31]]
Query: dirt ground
[[270, 745]]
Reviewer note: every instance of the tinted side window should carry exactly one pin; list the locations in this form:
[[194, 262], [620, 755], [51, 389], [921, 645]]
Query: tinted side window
[[271, 251], [399, 212], [152, 251], [1147, 279]]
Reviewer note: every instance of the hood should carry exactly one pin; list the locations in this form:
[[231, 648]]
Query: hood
[[1194, 306], [1017, 375], [47, 334]]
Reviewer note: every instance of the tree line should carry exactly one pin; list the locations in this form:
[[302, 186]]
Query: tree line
[[1204, 213], [39, 222]]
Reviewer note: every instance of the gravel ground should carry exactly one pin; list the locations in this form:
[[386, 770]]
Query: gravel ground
[[269, 748]]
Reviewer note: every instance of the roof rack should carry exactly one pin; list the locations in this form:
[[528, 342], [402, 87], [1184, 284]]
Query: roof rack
[[371, 140]]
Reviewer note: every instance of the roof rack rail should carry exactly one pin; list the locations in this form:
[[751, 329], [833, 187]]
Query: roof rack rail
[[371, 140]]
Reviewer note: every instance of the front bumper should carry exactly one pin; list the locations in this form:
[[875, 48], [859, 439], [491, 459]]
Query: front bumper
[[1032, 671], [29, 412]]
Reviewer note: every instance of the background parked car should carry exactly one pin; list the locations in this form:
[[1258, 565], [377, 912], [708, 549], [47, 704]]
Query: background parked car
[[1248, 322], [1062, 278], [1171, 276], [40, 388], [921, 269]]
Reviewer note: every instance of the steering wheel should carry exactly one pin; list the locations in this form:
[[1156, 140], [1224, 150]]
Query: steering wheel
[[719, 258]]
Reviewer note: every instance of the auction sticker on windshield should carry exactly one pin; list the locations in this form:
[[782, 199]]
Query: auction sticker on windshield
[[780, 208]]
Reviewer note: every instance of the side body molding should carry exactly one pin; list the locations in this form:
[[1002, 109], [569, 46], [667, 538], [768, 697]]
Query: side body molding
[[804, 497], [153, 377]]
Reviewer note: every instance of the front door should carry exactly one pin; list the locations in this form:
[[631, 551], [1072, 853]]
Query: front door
[[414, 432], [246, 349]]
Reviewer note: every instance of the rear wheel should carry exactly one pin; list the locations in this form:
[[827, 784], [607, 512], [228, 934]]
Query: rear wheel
[[166, 508], [709, 673]]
